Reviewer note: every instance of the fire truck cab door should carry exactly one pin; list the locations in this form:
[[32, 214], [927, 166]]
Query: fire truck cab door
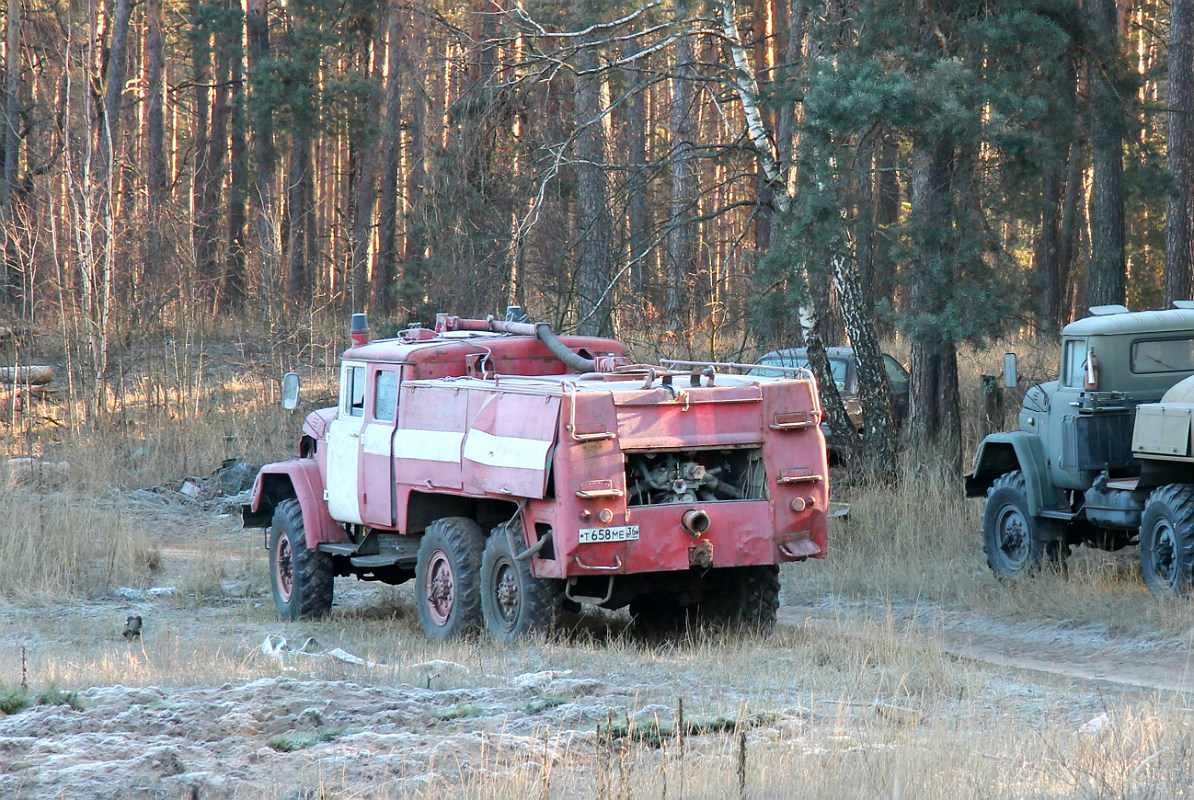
[[377, 445], [344, 446]]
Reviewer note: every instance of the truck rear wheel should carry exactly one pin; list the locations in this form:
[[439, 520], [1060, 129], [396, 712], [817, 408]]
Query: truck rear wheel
[[1167, 540], [301, 578], [1016, 543], [513, 601], [448, 578]]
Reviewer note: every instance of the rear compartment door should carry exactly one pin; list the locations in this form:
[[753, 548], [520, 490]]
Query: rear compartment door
[[509, 443]]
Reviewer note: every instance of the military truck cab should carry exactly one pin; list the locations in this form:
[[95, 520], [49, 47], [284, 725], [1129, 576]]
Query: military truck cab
[[1081, 468]]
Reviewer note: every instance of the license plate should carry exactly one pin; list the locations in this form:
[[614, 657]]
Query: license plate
[[619, 533]]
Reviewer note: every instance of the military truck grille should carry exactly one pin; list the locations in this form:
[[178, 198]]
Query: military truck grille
[[685, 476]]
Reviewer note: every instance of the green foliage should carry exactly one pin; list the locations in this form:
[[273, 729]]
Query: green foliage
[[291, 742], [541, 704], [12, 700], [988, 87], [53, 696], [458, 711]]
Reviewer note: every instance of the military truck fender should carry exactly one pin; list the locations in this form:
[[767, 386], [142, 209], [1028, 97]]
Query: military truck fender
[[1001, 453], [300, 479]]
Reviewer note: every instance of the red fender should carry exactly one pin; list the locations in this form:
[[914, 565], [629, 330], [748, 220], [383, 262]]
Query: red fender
[[299, 478]]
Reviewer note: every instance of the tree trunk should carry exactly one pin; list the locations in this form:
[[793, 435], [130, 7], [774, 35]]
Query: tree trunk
[[887, 217], [155, 169], [202, 216], [1046, 260], [864, 225], [12, 284], [363, 164], [1073, 222], [391, 162], [638, 219], [593, 224], [934, 419], [264, 153], [235, 279], [1107, 273], [298, 220], [1180, 145], [681, 256]]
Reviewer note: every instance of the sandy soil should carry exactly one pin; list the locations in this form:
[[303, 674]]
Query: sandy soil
[[198, 708]]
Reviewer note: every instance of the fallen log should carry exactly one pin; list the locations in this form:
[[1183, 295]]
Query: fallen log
[[35, 375]]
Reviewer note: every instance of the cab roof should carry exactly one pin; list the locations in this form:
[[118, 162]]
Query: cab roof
[[1167, 321]]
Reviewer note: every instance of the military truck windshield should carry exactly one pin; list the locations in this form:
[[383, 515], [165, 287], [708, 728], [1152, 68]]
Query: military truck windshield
[[1163, 355]]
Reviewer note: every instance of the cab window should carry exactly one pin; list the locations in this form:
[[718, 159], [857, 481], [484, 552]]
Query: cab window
[[1073, 363], [354, 391], [385, 396]]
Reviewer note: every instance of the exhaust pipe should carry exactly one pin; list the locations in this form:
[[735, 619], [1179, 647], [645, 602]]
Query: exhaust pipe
[[695, 521]]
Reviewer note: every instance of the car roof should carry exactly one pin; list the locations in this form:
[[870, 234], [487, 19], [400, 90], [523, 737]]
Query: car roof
[[844, 353]]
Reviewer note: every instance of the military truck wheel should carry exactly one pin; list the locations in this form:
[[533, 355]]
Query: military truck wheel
[[513, 601], [448, 578], [1167, 540], [301, 578], [741, 598], [1015, 542]]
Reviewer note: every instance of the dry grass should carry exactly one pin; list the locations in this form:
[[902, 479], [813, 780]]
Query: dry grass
[[64, 543]]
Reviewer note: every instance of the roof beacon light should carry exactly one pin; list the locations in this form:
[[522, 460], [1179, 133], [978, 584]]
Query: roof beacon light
[[358, 330]]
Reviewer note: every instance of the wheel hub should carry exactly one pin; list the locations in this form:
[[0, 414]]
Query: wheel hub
[[507, 594], [441, 588], [284, 558], [1163, 555], [1013, 535]]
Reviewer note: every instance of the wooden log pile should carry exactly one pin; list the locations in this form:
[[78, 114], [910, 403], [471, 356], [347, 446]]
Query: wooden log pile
[[31, 382]]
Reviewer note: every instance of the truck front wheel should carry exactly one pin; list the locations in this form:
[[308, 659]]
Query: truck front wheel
[[301, 578], [448, 578], [1016, 542], [513, 601], [1167, 540]]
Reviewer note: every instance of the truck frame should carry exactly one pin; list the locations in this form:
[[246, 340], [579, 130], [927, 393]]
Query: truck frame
[[514, 474], [1103, 455]]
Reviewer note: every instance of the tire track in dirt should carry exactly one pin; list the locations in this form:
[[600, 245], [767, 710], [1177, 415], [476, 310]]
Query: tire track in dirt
[[1032, 646]]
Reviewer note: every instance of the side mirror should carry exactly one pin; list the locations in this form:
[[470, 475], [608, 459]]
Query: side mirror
[[290, 391], [1010, 378]]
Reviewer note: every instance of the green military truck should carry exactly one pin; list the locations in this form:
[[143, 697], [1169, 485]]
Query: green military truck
[[1104, 455]]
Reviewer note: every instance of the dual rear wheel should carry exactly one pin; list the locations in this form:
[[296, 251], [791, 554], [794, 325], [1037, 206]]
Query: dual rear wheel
[[466, 582]]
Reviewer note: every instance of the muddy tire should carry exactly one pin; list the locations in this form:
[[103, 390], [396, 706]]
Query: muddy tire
[[1016, 543], [514, 602], [743, 599], [448, 578], [301, 578], [1167, 540]]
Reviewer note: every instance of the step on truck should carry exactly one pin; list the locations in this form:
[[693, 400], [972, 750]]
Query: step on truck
[[514, 474], [1104, 455]]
